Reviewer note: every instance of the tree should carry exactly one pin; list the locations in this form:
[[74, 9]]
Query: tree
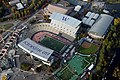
[[116, 21], [25, 66], [116, 73]]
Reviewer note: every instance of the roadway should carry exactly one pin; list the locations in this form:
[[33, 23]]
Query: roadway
[[19, 25]]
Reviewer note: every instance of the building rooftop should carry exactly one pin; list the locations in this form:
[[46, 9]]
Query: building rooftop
[[35, 49], [101, 24], [77, 8], [65, 19], [19, 6], [56, 8]]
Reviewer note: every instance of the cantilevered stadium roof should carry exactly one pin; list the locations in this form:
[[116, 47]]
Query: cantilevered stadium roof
[[35, 49], [65, 19], [101, 24]]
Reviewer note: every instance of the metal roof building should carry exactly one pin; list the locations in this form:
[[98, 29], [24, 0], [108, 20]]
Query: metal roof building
[[88, 14], [65, 19], [19, 6], [92, 15], [87, 21], [35, 49], [77, 8], [65, 24], [96, 16], [91, 22], [84, 19], [90, 18], [98, 30]]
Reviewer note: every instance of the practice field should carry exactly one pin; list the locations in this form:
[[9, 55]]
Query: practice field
[[88, 48], [78, 63], [74, 68], [52, 43]]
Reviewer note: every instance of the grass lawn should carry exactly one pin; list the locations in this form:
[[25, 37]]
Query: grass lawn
[[52, 43], [90, 50], [90, 59]]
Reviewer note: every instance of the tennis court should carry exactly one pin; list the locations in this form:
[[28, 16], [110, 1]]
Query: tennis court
[[74, 68], [52, 43]]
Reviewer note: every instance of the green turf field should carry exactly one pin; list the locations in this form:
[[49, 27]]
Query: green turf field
[[52, 43], [78, 63], [90, 50], [74, 68]]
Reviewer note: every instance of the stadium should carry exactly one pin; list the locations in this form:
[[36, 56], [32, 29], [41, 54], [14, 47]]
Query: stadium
[[53, 38], [42, 35]]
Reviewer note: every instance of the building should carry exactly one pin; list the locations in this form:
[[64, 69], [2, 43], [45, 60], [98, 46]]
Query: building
[[65, 24], [37, 50], [56, 8], [77, 8], [99, 29], [19, 4], [90, 18]]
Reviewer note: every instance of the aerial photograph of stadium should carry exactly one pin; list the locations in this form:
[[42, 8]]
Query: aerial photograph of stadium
[[59, 39]]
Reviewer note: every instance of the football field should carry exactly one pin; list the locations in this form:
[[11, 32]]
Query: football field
[[52, 43]]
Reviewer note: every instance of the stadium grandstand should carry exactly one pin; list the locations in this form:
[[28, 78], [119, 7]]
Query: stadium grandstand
[[37, 50], [65, 24], [42, 35]]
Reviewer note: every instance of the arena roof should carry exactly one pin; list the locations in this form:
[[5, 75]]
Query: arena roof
[[35, 49], [65, 19], [101, 24]]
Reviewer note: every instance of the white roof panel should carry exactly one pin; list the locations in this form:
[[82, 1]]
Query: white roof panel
[[19, 6], [84, 19], [88, 14], [87, 21], [77, 8], [91, 22], [96, 16], [90, 67], [92, 15], [35, 49]]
